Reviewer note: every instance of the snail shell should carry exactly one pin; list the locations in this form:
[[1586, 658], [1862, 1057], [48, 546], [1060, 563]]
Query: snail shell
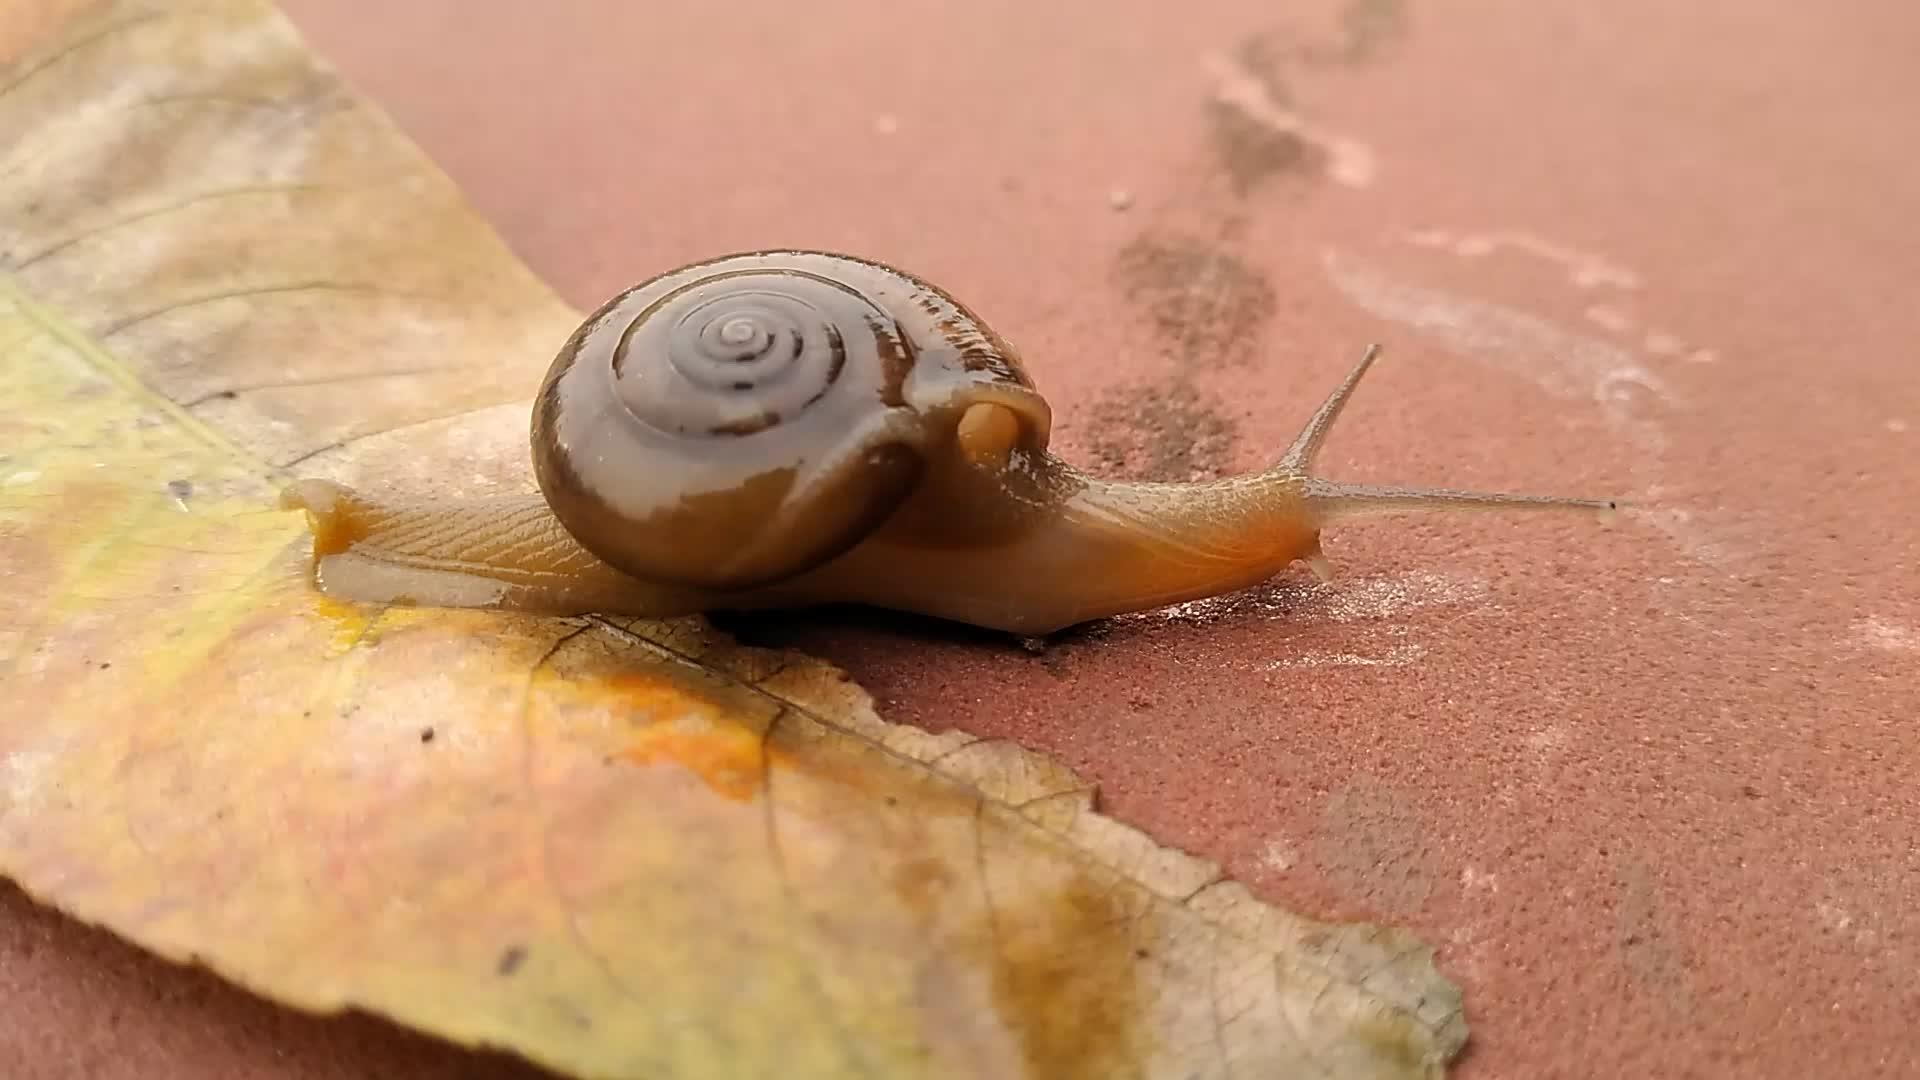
[[739, 421]]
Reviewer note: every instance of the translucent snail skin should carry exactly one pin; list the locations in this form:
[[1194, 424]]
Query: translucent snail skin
[[791, 428]]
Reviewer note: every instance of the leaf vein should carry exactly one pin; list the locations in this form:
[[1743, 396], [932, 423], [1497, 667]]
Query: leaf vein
[[230, 392], [75, 45], [162, 211], [248, 292], [787, 889], [109, 367]]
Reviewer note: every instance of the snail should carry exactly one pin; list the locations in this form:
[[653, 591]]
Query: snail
[[783, 429]]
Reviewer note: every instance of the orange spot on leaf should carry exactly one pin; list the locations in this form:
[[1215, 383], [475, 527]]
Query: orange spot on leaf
[[727, 759], [350, 622]]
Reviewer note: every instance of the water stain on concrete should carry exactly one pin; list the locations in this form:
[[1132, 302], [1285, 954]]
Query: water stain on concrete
[[1634, 399], [1370, 845], [1647, 946]]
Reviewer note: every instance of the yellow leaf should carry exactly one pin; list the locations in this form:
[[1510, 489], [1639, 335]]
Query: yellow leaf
[[620, 848]]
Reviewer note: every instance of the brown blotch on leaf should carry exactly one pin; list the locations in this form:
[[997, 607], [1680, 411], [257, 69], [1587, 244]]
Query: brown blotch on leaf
[[920, 881], [1066, 981], [511, 959]]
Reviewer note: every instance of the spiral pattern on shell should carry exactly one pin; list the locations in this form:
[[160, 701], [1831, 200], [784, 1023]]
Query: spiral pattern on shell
[[737, 353], [730, 423]]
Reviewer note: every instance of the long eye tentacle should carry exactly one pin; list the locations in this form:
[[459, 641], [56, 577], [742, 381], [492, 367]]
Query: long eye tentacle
[[1333, 500], [1306, 447]]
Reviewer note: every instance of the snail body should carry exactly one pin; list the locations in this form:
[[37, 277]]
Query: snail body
[[793, 428]]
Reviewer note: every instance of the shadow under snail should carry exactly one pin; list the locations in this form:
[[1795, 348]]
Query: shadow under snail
[[792, 428]]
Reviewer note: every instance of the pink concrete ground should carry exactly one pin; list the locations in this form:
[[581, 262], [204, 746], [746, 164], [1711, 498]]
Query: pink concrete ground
[[1648, 788]]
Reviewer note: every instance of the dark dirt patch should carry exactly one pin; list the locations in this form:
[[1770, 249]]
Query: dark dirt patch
[[1370, 26], [1647, 945], [1161, 433], [1251, 153], [1371, 845], [1362, 30], [1205, 305]]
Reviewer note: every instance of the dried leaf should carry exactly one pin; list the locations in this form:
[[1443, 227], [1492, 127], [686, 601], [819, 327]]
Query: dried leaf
[[619, 848]]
